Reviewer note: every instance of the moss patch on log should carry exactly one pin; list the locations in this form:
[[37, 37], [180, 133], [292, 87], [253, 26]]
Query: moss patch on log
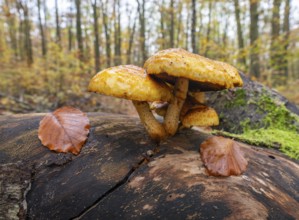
[[278, 128]]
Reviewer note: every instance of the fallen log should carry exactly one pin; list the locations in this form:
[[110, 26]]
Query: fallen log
[[121, 174]]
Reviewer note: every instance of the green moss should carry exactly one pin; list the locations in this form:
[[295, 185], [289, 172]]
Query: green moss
[[238, 100], [278, 127], [277, 115], [285, 141]]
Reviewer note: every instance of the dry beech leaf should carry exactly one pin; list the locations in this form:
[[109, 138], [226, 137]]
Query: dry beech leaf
[[64, 130], [222, 156]]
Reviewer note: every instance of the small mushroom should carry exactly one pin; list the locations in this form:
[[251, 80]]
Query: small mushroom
[[132, 82], [222, 156], [178, 66], [202, 116], [200, 97]]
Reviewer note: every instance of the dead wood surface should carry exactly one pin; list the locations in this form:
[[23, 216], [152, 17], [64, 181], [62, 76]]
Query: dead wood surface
[[115, 177]]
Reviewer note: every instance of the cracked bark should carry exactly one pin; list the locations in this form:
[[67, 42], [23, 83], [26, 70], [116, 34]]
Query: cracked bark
[[106, 194], [111, 178]]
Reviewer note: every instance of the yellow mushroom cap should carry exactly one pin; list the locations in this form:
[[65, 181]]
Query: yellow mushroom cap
[[233, 73], [202, 116], [129, 82], [204, 74]]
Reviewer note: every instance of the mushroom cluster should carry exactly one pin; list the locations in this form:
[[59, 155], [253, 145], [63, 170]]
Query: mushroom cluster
[[173, 80], [172, 83]]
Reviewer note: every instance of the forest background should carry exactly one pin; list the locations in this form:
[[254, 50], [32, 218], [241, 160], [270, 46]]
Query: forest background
[[50, 49]]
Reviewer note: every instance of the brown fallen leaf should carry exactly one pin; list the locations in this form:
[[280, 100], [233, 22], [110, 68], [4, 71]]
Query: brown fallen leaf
[[222, 156], [64, 130]]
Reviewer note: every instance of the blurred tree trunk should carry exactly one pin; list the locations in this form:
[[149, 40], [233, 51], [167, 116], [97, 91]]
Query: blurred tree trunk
[[21, 38], [117, 32], [96, 37], [275, 29], [25, 28], [141, 12], [254, 51], [28, 42], [226, 20], [11, 21], [87, 42], [187, 28], [131, 40], [171, 28], [208, 30], [286, 32], [179, 22], [107, 33], [119, 37], [58, 34], [241, 57], [201, 25], [70, 28], [162, 21], [41, 29], [79, 30], [193, 27]]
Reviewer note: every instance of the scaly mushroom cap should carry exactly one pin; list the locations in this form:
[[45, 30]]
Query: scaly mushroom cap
[[202, 116], [222, 156], [204, 74], [129, 82], [233, 72]]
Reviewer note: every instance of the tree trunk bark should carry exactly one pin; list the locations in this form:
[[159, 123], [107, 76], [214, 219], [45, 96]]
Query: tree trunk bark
[[141, 12], [120, 172], [286, 32], [70, 28], [193, 27], [11, 21], [162, 27], [131, 40], [179, 23], [41, 29], [119, 36], [254, 54], [187, 27], [96, 37], [207, 48], [27, 31], [79, 30], [107, 33], [171, 28], [117, 32], [241, 56], [58, 34]]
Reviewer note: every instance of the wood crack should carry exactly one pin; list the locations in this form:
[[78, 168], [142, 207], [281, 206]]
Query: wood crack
[[114, 188]]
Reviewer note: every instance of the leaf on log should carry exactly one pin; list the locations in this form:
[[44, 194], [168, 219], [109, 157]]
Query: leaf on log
[[64, 130], [222, 157]]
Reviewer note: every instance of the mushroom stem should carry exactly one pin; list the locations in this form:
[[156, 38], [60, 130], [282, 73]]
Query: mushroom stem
[[175, 105], [155, 130]]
